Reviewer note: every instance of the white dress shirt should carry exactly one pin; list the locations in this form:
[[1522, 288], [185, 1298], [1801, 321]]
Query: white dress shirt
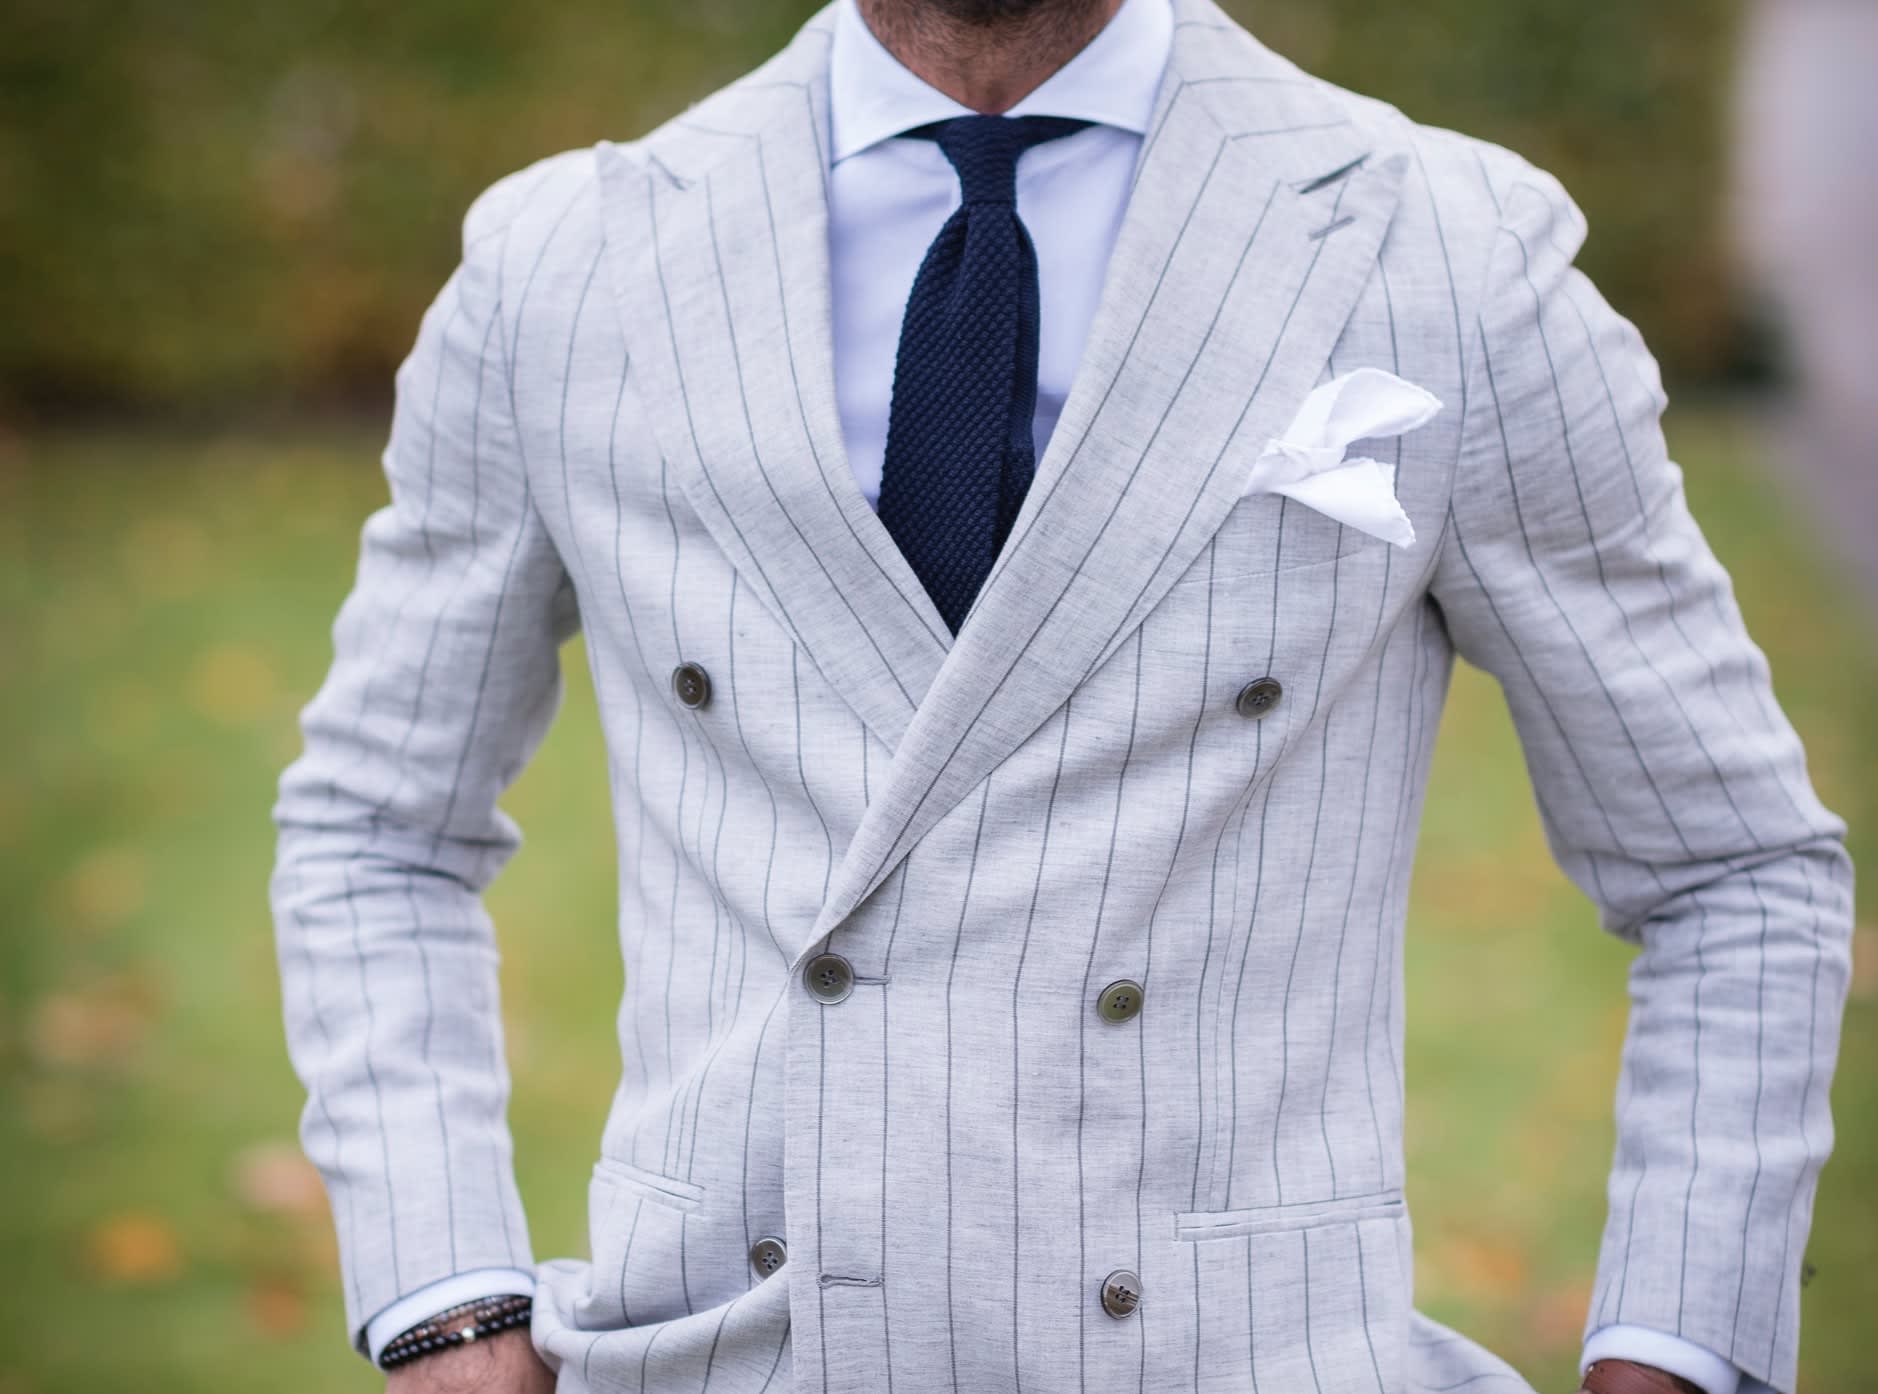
[[888, 197]]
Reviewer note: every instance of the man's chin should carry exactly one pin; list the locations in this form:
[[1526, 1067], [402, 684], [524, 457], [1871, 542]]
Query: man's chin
[[1000, 14]]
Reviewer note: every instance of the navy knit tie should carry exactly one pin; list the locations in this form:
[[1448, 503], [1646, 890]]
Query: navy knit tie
[[959, 449]]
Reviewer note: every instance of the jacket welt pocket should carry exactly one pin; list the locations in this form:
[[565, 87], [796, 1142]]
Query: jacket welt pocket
[[1273, 1219], [654, 1186]]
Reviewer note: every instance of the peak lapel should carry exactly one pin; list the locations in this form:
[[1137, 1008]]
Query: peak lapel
[[717, 246], [1256, 217]]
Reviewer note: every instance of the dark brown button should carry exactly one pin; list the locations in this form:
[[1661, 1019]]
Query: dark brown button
[[691, 684], [1121, 1293], [1257, 698], [828, 977], [768, 1254], [1119, 1000]]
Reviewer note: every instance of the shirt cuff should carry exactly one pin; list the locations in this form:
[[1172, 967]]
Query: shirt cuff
[[1640, 1345], [445, 1293]]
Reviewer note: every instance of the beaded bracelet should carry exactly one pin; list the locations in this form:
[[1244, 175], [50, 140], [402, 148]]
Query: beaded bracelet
[[489, 1316], [483, 1306]]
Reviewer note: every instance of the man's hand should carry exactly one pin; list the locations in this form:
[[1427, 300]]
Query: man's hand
[[1628, 1377], [505, 1363]]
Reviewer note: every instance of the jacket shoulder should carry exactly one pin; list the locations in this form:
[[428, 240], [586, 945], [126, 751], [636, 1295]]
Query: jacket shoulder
[[1467, 180], [1458, 192], [529, 198]]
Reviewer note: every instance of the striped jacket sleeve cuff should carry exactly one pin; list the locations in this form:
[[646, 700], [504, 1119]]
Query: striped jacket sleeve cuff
[[441, 1295], [1643, 1346]]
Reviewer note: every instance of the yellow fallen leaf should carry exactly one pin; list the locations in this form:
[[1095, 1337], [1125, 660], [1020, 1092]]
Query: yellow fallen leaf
[[134, 1247], [99, 1025], [1478, 1267], [1557, 1316], [276, 1306], [276, 1178]]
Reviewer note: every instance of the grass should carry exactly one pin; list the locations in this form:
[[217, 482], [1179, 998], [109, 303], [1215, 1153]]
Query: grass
[[164, 612]]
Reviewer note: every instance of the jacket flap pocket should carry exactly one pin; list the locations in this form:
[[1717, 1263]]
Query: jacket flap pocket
[[654, 1186], [1268, 1219]]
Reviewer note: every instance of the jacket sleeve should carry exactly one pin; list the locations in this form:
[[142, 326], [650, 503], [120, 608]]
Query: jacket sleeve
[[1672, 789], [445, 678]]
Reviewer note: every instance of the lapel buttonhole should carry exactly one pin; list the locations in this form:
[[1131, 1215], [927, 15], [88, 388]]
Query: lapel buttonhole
[[1324, 181]]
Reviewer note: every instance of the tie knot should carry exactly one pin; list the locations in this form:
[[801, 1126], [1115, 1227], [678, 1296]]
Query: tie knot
[[984, 149]]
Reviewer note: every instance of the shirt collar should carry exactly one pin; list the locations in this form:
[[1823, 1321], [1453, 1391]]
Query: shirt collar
[[1113, 81]]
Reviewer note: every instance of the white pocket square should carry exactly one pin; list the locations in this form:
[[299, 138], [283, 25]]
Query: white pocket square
[[1307, 463]]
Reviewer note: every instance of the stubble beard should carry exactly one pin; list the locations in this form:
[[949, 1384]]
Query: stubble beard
[[986, 54], [1003, 14], [1035, 19]]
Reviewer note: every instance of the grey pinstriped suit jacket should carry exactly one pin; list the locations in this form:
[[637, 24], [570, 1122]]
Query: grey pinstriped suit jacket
[[619, 414]]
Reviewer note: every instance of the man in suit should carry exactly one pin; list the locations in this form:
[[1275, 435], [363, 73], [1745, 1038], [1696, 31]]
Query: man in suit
[[1015, 795]]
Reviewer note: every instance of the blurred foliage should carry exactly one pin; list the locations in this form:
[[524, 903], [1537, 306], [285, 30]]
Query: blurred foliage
[[211, 201], [166, 601]]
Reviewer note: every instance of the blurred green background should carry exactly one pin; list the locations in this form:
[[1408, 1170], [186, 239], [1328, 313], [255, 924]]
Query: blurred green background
[[212, 201], [218, 227]]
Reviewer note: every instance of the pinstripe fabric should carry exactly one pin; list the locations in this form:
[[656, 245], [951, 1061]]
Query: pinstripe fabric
[[619, 413]]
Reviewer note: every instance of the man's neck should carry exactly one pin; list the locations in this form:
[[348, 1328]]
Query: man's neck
[[987, 67]]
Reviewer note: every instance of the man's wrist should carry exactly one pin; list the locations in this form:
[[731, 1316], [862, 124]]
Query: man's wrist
[[427, 1301], [461, 1325], [506, 1363], [1706, 1371], [1628, 1377]]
